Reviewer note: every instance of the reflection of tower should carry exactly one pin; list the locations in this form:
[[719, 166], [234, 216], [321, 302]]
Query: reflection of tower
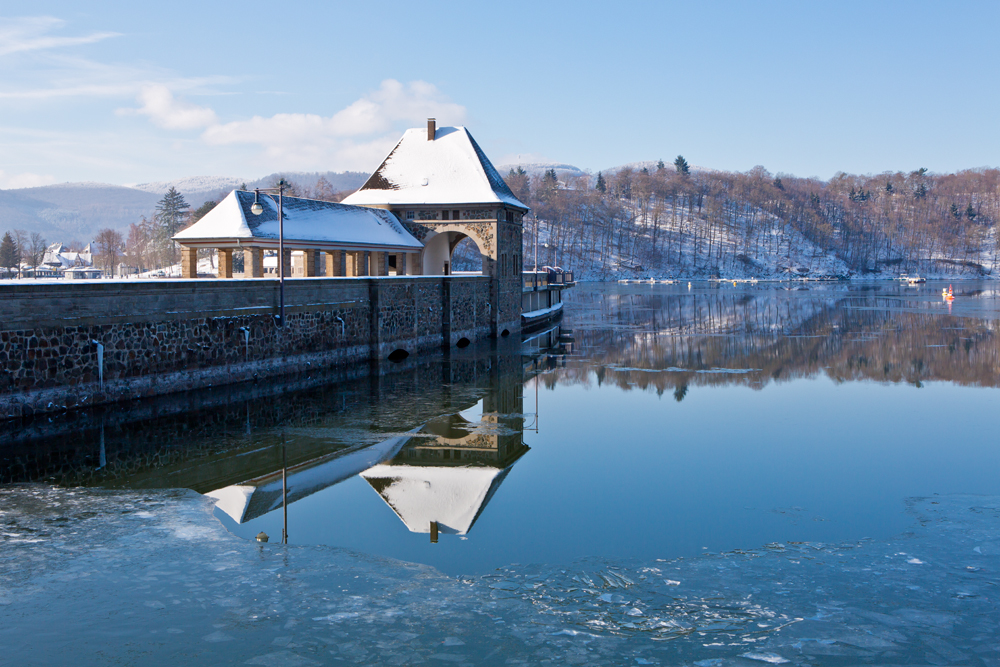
[[442, 482]]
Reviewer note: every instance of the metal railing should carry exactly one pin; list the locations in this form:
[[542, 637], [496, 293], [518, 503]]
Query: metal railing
[[532, 281]]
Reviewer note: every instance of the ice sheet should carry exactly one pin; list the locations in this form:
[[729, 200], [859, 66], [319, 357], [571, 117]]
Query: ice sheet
[[98, 577]]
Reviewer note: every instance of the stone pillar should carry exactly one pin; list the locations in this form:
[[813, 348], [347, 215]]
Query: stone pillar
[[288, 264], [377, 264], [334, 259], [401, 263], [189, 262], [357, 264], [415, 264], [225, 263], [311, 258], [253, 262]]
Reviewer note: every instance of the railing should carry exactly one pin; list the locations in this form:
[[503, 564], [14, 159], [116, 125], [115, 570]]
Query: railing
[[532, 281]]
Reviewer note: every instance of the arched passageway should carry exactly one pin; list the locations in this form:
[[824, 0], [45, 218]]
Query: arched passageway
[[439, 253]]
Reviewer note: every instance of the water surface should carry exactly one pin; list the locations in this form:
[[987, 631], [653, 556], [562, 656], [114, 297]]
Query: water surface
[[658, 421]]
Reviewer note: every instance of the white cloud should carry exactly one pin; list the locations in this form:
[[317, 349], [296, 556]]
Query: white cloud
[[353, 138], [166, 111], [30, 34], [25, 180]]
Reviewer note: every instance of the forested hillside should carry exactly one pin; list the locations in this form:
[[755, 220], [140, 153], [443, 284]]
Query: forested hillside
[[672, 221]]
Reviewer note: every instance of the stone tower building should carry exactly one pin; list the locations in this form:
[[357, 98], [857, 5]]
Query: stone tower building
[[443, 188]]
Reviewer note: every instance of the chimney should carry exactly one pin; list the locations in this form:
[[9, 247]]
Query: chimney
[[431, 129]]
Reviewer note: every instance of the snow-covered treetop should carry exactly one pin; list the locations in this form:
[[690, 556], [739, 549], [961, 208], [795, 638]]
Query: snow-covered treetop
[[449, 169]]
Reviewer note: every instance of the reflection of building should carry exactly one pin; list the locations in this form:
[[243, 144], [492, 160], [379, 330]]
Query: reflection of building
[[256, 497], [443, 482]]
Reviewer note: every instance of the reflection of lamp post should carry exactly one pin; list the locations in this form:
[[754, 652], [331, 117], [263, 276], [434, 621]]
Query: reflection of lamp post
[[257, 209]]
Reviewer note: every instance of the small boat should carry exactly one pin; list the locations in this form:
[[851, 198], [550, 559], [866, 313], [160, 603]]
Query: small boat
[[915, 280]]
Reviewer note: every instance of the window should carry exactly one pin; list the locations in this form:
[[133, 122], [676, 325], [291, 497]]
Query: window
[[444, 215], [454, 215], [409, 215]]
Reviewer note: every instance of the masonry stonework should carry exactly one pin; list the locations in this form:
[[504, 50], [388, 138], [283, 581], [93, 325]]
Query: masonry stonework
[[158, 337]]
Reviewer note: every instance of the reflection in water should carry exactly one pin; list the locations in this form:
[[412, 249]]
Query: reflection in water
[[256, 497], [442, 484], [375, 461], [670, 340]]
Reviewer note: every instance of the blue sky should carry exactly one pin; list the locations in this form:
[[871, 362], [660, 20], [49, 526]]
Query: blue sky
[[126, 92]]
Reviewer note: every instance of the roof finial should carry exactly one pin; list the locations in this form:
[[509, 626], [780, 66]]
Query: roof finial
[[431, 128]]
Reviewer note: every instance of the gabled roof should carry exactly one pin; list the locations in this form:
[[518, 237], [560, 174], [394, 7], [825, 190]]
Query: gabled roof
[[450, 169], [306, 222], [257, 497], [452, 496]]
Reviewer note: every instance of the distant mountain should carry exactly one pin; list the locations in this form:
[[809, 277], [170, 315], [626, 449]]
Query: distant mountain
[[193, 185], [71, 212], [651, 165], [563, 171], [199, 189]]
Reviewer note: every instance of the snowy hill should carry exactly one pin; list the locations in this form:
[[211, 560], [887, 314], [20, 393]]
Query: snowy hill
[[649, 165], [563, 171], [192, 185]]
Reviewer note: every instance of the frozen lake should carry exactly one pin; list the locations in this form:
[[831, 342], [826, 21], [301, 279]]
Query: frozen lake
[[714, 474]]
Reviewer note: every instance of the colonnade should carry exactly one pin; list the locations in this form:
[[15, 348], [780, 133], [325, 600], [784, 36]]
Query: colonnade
[[329, 263]]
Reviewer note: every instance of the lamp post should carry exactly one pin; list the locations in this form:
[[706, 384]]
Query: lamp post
[[257, 209]]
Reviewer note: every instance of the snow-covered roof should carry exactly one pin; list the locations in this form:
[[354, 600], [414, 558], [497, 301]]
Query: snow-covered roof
[[307, 223], [452, 496], [254, 498], [450, 169]]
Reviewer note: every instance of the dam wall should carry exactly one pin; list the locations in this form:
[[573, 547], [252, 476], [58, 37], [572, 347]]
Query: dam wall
[[66, 345]]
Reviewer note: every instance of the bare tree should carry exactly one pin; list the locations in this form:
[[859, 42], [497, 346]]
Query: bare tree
[[36, 250], [111, 245], [23, 241]]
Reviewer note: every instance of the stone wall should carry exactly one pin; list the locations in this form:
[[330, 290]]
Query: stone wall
[[164, 336]]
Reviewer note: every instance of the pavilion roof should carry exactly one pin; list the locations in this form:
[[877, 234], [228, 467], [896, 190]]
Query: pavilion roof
[[307, 223], [448, 170]]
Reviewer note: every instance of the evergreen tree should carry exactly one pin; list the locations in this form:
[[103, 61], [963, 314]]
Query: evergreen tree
[[778, 184], [970, 212], [519, 183], [8, 252], [602, 185], [920, 192], [680, 391], [660, 166], [171, 212], [955, 213], [888, 187], [682, 166], [200, 212]]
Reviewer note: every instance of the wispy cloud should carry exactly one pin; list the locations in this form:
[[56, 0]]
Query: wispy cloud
[[32, 34], [41, 66], [167, 111], [350, 139]]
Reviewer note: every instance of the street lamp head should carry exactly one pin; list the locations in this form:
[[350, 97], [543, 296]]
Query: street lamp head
[[256, 209]]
